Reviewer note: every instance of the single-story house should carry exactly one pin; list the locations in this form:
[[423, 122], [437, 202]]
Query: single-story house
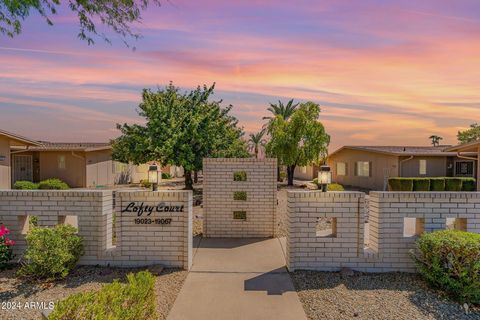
[[472, 147], [369, 167], [80, 165]]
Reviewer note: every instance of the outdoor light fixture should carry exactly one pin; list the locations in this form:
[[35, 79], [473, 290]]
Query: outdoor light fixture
[[153, 177], [324, 177]]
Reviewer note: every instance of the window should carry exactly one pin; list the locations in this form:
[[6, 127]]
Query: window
[[423, 167], [413, 227], [464, 168], [363, 168], [341, 169], [62, 164], [456, 224], [326, 227], [239, 176]]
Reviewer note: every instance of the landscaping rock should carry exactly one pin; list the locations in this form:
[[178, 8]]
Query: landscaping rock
[[156, 270]]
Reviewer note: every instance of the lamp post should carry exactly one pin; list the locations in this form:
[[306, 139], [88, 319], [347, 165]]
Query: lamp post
[[324, 177], [153, 177]]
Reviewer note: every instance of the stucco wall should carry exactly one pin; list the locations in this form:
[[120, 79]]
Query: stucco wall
[[219, 205], [74, 173], [436, 167], [5, 171], [382, 166], [306, 173], [388, 247]]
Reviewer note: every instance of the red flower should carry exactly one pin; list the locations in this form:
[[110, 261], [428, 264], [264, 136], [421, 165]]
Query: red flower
[[9, 242], [4, 231]]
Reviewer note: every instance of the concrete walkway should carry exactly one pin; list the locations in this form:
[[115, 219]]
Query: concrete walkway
[[238, 279]]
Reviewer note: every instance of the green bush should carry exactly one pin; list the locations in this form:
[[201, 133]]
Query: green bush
[[453, 184], [53, 184], [131, 301], [400, 184], [450, 260], [51, 252], [335, 187], [469, 184], [421, 184], [145, 184], [437, 184], [166, 175], [25, 185]]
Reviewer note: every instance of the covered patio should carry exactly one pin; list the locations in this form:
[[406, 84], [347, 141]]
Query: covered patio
[[469, 147]]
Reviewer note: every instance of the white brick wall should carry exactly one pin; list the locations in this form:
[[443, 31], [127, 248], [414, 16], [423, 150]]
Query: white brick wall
[[388, 248], [170, 245], [219, 205]]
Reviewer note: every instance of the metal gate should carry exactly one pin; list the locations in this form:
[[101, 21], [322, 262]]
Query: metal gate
[[22, 168]]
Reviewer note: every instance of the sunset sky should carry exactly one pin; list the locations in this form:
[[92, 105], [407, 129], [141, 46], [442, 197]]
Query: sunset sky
[[385, 72]]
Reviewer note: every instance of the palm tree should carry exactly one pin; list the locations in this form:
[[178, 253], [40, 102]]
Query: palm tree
[[435, 140], [280, 109], [284, 111], [256, 141]]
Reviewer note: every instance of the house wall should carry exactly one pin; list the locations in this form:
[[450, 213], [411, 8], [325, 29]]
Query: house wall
[[74, 173], [309, 173], [382, 166], [5, 170], [436, 167]]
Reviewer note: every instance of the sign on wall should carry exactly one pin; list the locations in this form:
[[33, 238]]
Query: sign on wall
[[143, 213]]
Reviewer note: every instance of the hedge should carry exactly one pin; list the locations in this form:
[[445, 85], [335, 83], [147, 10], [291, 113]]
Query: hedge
[[450, 260], [432, 184], [53, 184], [25, 185]]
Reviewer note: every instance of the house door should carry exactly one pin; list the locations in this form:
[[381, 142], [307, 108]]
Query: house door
[[22, 168]]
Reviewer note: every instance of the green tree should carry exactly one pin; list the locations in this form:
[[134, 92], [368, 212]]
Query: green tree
[[279, 109], [299, 141], [435, 140], [469, 135], [117, 15], [180, 129], [256, 141]]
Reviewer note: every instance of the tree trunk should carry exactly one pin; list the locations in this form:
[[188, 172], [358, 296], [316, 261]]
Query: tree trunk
[[290, 172], [279, 179], [195, 176], [256, 152], [188, 180]]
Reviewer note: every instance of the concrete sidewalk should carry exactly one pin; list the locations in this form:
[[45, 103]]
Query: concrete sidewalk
[[238, 279]]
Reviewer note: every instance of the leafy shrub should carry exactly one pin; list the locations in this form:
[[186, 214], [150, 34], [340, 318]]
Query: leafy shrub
[[6, 247], [239, 176], [166, 175], [145, 184], [51, 252], [25, 185], [131, 301], [469, 184], [450, 260], [53, 184], [421, 184], [400, 184], [437, 184], [240, 195], [335, 187], [453, 184]]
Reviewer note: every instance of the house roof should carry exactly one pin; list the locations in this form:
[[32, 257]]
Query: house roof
[[439, 151], [473, 146], [17, 138], [71, 146]]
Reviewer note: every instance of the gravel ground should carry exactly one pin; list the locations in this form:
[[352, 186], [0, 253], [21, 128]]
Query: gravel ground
[[84, 278], [328, 295]]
